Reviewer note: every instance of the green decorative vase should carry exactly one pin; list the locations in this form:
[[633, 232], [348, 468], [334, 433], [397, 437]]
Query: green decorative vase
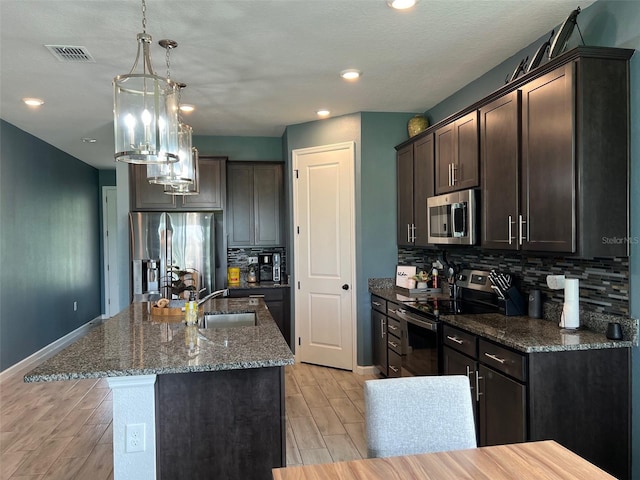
[[417, 124]]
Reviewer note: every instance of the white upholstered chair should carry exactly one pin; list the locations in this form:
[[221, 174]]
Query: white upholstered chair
[[411, 415]]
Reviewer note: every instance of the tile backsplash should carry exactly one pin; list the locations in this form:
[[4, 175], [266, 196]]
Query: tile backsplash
[[604, 282], [239, 257]]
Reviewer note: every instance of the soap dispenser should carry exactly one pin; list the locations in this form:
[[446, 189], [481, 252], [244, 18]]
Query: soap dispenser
[[191, 310]]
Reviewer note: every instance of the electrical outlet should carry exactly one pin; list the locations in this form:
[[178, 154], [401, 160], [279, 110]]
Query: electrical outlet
[[253, 259], [75, 306], [135, 437]]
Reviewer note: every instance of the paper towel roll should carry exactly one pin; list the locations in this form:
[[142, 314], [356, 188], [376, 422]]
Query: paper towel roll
[[571, 290]]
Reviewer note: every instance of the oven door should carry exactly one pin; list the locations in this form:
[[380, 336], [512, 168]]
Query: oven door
[[420, 344]]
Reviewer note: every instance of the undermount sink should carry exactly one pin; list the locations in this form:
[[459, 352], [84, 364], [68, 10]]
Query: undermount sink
[[228, 320]]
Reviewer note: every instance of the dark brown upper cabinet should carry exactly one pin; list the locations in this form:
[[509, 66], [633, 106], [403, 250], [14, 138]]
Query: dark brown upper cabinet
[[415, 183], [547, 221], [500, 160], [457, 159], [145, 196], [255, 202], [554, 157]]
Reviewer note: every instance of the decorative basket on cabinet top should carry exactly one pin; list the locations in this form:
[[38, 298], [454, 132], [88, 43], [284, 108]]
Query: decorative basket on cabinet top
[[417, 124]]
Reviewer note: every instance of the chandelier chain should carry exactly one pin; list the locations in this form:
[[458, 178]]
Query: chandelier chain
[[168, 61], [144, 16]]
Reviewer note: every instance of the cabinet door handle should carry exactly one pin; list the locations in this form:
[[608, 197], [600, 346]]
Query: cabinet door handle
[[377, 304], [478, 392], [454, 169], [393, 327], [521, 223], [413, 232], [469, 377], [455, 339], [493, 357], [408, 233], [393, 344], [382, 332], [510, 222], [393, 368], [256, 296], [449, 182]]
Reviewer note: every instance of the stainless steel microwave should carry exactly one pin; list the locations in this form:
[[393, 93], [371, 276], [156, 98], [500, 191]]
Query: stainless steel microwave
[[452, 218]]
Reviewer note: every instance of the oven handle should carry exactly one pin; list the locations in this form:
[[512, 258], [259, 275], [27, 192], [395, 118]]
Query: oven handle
[[420, 322]]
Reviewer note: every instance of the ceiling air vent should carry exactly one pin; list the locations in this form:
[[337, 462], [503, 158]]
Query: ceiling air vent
[[69, 53]]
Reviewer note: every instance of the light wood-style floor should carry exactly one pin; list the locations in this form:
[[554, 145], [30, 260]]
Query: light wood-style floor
[[62, 430]]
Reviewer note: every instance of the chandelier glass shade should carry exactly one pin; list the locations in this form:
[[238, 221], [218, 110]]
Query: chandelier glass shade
[[145, 113], [179, 172], [192, 188]]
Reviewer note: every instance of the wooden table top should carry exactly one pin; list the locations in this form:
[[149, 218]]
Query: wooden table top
[[533, 460]]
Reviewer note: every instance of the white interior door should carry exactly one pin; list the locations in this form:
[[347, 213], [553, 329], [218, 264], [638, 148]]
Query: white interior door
[[324, 242], [110, 253]]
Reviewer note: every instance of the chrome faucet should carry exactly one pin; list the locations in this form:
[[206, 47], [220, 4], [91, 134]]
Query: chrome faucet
[[218, 293]]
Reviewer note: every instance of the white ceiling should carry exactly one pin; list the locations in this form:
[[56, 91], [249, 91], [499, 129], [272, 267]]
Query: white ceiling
[[253, 66]]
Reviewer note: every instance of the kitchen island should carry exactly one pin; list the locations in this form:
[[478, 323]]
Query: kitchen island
[[188, 402]]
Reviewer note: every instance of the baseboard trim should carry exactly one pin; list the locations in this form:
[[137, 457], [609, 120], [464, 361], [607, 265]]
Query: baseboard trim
[[52, 348], [366, 370]]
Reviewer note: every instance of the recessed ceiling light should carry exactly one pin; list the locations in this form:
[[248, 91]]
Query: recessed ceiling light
[[186, 108], [351, 74], [33, 102], [323, 112], [89, 140], [401, 4]]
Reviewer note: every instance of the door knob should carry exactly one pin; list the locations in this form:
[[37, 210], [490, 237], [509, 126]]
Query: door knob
[[345, 287]]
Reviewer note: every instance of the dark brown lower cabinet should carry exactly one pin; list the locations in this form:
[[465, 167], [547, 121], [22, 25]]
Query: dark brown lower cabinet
[[379, 321], [502, 408], [579, 398], [227, 424], [455, 363]]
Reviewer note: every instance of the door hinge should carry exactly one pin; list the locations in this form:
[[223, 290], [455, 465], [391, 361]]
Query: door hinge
[[298, 285], [299, 341], [296, 170], [298, 230]]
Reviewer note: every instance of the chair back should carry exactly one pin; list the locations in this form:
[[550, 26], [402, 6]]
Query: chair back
[[411, 415]]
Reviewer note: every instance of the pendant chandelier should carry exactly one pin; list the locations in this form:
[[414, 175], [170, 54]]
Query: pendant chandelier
[[182, 171], [187, 188], [145, 111]]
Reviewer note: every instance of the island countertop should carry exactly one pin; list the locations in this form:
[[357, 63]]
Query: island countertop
[[134, 342]]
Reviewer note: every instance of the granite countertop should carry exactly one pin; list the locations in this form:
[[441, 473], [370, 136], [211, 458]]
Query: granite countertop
[[528, 334], [531, 335], [134, 342]]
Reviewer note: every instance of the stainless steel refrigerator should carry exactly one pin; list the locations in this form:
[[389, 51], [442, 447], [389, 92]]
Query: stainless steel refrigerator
[[171, 251]]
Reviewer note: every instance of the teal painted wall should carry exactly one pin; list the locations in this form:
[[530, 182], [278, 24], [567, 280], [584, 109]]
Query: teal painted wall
[[374, 135], [49, 244], [240, 148], [609, 24], [376, 249]]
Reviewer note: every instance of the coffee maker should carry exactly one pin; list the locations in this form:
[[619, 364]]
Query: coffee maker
[[270, 267], [277, 267], [265, 269]]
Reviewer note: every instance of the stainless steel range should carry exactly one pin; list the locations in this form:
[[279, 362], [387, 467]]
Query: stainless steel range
[[420, 324]]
